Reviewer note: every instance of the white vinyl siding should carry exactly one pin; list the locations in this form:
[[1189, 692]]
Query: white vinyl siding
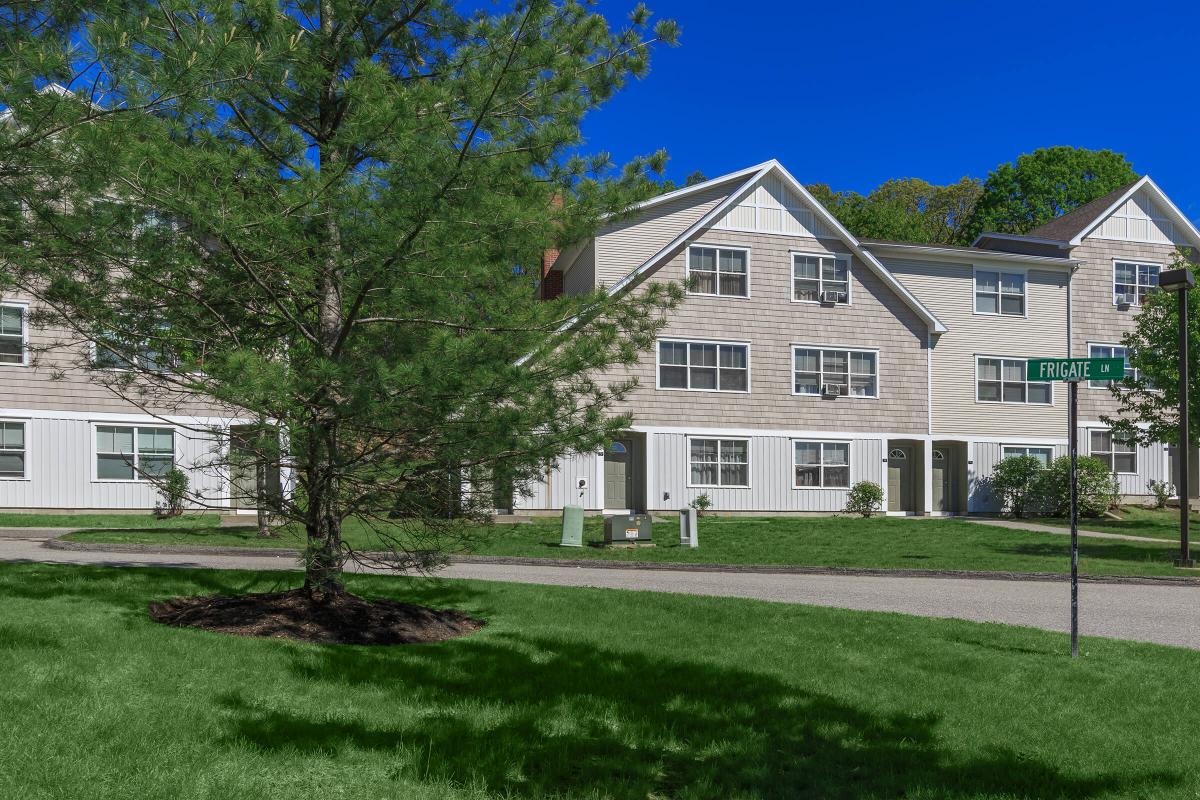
[[12, 334], [703, 366], [719, 462], [822, 465], [1133, 281], [12, 449], [1002, 380], [1043, 454], [1117, 453], [815, 275], [719, 271], [133, 453], [854, 373], [1141, 219], [1000, 293]]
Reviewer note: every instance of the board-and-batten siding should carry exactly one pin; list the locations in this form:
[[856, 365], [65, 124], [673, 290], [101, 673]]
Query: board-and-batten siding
[[985, 456], [948, 289], [59, 469], [773, 208], [560, 487], [622, 247], [771, 323], [1152, 464], [1139, 219], [772, 476]]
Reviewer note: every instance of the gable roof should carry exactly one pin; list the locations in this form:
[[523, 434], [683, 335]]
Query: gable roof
[[1070, 229], [1066, 227], [752, 177]]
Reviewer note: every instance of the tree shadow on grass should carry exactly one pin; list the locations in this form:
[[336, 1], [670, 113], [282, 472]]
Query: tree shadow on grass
[[534, 716], [1098, 549]]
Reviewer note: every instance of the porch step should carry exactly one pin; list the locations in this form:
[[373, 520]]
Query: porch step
[[511, 519], [238, 520]]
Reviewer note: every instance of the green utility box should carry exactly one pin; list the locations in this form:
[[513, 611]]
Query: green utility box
[[630, 530], [572, 533]]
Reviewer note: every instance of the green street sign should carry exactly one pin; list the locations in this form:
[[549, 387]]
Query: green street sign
[[1074, 369]]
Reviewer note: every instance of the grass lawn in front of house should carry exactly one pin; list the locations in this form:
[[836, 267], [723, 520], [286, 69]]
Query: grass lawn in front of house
[[1134, 521], [143, 520], [569, 693], [879, 542]]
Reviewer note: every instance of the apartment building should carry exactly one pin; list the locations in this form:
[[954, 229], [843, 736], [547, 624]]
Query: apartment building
[[804, 359]]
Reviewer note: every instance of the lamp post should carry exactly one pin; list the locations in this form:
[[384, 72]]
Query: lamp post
[[1181, 281]]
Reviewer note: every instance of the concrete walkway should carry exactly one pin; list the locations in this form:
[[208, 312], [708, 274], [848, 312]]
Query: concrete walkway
[[1149, 613], [1022, 525]]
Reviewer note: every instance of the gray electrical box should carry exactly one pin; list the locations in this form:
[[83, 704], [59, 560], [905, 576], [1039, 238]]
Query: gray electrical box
[[633, 529]]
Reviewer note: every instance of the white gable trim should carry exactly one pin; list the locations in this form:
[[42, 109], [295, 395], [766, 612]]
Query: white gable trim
[[1182, 223], [700, 187]]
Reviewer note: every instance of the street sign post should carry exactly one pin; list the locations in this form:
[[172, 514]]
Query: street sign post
[[1074, 370]]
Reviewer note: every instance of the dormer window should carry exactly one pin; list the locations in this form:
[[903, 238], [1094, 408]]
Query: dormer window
[[719, 271], [820, 279]]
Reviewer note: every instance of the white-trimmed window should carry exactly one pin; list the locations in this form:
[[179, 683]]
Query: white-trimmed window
[[719, 462], [1042, 454], [147, 355], [719, 271], [131, 453], [1117, 452], [820, 276], [824, 465], [1109, 351], [12, 334], [12, 449], [1002, 380], [1000, 293], [703, 366], [848, 372], [1132, 281]]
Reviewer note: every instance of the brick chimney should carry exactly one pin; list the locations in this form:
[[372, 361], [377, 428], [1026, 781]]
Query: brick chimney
[[552, 282]]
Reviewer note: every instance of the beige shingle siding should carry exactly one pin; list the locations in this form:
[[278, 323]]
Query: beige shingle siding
[[1095, 318], [771, 323], [948, 289], [622, 247], [57, 381]]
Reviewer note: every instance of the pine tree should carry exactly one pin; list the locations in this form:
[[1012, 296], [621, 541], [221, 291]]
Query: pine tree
[[328, 214]]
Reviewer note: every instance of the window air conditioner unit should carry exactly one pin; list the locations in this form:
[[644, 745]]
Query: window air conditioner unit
[[831, 390], [830, 298]]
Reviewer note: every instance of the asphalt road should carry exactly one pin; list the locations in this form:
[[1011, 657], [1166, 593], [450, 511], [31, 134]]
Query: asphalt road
[[1149, 613]]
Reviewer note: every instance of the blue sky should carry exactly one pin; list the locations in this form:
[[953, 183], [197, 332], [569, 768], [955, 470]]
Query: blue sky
[[853, 93]]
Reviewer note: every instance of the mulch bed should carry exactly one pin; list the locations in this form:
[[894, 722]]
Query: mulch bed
[[339, 619]]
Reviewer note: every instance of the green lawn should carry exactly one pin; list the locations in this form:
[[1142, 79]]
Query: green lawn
[[880, 542], [571, 693], [148, 521], [1134, 521]]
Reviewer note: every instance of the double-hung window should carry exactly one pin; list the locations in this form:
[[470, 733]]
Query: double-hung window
[[999, 293], [1118, 453], [1042, 454], [12, 449], [1109, 351], [12, 334], [133, 453], [1002, 380], [116, 351], [720, 271], [1133, 281], [815, 278], [846, 372], [822, 465], [719, 462], [703, 366]]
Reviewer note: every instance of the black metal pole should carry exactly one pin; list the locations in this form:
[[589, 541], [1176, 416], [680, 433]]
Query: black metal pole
[[1073, 419], [1184, 456]]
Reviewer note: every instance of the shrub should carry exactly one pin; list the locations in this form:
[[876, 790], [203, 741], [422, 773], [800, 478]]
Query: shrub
[[865, 498], [1162, 491], [702, 503], [1098, 490], [174, 490], [1017, 484]]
